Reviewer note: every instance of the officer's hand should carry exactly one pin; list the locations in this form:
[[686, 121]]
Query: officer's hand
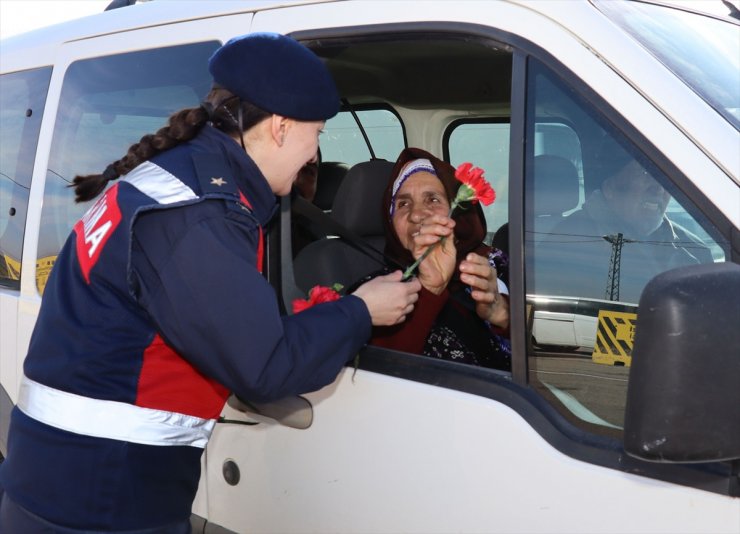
[[388, 299]]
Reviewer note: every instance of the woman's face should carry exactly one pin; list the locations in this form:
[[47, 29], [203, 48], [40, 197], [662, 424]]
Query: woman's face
[[420, 196], [300, 144]]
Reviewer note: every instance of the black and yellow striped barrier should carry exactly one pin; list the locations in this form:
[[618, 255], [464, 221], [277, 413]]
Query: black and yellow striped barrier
[[614, 338], [10, 268]]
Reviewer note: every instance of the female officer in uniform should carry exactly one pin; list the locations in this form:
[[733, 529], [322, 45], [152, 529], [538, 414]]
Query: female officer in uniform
[[156, 308]]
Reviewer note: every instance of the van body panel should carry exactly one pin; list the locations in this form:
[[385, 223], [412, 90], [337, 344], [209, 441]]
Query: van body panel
[[401, 460], [8, 352], [37, 47]]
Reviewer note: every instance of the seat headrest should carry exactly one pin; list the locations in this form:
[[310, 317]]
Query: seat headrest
[[556, 185], [331, 174], [357, 204]]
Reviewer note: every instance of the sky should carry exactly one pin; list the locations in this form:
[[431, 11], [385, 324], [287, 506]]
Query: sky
[[18, 16]]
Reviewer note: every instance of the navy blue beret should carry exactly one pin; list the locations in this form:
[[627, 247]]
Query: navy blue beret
[[277, 74]]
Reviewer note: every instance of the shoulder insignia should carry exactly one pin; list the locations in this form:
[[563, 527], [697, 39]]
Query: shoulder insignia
[[214, 174]]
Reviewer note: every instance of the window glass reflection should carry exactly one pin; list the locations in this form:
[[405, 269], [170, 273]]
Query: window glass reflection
[[22, 99], [601, 220], [106, 105]]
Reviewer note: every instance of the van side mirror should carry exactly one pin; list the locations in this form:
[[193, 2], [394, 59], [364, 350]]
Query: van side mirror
[[683, 395]]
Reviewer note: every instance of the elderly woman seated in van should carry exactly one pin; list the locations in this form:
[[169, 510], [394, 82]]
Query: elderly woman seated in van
[[463, 312]]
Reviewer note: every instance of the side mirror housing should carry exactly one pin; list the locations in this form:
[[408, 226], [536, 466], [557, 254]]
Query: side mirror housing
[[683, 396], [293, 412]]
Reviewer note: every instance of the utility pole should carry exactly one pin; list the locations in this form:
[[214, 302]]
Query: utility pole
[[612, 280]]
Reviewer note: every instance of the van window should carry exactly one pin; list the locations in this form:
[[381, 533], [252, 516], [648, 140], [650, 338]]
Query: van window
[[398, 69], [106, 105], [601, 220], [485, 144], [342, 140], [22, 100]]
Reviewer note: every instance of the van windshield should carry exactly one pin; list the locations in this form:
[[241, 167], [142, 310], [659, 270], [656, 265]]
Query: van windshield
[[703, 51]]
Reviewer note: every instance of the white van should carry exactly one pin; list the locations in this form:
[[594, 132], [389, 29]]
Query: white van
[[408, 443]]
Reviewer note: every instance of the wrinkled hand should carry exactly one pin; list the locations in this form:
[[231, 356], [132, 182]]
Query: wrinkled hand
[[490, 305], [435, 271], [388, 299]]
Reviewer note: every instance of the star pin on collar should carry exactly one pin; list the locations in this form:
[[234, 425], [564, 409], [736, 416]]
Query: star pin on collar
[[218, 181]]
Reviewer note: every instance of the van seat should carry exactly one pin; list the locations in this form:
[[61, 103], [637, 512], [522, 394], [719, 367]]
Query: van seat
[[330, 176], [357, 207], [556, 188]]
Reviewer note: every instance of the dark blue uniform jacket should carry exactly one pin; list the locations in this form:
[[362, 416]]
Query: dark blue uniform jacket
[[157, 301]]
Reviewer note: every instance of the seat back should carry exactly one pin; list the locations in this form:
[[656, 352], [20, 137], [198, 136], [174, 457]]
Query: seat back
[[555, 192], [357, 206], [331, 174]]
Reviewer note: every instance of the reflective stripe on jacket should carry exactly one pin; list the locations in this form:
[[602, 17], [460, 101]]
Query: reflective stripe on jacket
[[111, 419]]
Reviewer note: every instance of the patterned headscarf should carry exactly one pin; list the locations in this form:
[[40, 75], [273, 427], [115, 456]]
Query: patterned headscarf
[[412, 167]]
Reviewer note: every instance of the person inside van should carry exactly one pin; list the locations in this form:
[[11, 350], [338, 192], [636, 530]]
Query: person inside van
[[302, 230], [462, 314], [157, 309], [628, 212], [308, 178]]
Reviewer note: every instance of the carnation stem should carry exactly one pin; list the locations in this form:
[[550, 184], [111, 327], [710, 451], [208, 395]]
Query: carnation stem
[[408, 273]]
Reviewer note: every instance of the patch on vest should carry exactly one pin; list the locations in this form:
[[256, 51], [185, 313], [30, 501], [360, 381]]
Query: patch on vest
[[95, 228]]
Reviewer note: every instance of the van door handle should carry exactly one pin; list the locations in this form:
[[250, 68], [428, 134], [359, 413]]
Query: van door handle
[[293, 412]]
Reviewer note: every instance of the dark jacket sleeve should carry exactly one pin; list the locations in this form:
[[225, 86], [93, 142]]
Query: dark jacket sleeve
[[193, 269], [411, 335]]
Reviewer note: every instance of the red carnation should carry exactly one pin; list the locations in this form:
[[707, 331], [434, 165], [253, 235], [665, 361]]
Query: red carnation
[[477, 188], [317, 295]]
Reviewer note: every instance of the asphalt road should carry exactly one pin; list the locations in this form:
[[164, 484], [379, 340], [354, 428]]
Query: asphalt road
[[586, 388]]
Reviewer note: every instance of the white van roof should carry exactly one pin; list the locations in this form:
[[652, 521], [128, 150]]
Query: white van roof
[[40, 43]]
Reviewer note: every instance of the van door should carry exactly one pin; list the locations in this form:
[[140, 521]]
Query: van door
[[416, 444]]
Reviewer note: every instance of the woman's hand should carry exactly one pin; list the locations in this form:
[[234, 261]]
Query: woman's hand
[[388, 299], [435, 271], [490, 305]]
